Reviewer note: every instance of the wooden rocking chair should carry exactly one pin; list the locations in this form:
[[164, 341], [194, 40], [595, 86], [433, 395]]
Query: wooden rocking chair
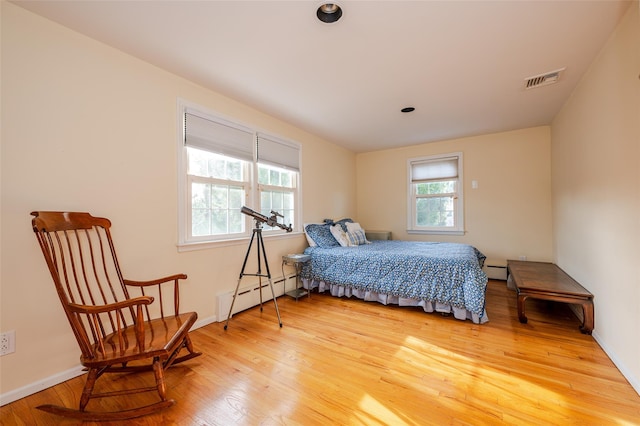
[[116, 322]]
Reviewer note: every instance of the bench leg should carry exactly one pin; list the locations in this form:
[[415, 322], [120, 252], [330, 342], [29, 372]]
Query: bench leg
[[521, 315], [587, 312]]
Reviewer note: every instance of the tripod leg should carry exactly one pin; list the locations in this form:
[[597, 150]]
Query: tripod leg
[[235, 294], [233, 301], [273, 294], [260, 289], [259, 246], [275, 302]]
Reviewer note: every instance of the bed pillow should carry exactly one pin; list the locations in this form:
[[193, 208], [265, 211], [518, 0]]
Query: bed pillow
[[306, 234], [320, 235], [340, 235], [343, 223], [356, 234]]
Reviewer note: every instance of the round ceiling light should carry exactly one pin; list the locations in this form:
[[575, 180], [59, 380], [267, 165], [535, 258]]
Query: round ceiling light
[[408, 109], [329, 12]]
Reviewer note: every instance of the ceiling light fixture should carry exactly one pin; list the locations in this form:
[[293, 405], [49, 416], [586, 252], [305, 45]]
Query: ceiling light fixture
[[329, 12], [408, 109]]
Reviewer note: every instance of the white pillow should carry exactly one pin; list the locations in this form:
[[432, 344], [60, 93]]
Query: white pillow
[[339, 234], [353, 226]]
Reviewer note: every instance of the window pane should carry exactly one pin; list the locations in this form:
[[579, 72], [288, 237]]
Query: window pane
[[236, 221], [215, 209], [263, 175], [236, 198], [197, 163], [288, 217], [217, 168], [287, 180], [219, 199], [276, 201], [219, 220], [200, 223], [200, 196], [265, 202], [207, 164], [274, 176], [444, 187], [435, 211], [279, 201], [234, 170], [287, 201]]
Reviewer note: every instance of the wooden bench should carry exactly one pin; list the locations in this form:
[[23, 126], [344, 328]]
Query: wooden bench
[[540, 280]]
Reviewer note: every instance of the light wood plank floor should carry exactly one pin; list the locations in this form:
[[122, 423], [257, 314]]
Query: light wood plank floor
[[348, 362]]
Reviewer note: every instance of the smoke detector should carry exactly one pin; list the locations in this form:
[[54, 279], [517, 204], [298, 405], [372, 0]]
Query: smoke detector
[[543, 79]]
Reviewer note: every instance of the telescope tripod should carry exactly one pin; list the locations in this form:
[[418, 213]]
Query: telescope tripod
[[261, 251]]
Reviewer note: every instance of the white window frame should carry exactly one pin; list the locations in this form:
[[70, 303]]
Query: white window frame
[[412, 197], [186, 241]]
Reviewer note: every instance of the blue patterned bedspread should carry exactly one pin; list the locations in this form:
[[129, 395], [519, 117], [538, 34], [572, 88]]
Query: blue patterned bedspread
[[448, 273]]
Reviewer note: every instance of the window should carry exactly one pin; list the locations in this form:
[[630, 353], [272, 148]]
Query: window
[[217, 187], [435, 195], [277, 192], [224, 166]]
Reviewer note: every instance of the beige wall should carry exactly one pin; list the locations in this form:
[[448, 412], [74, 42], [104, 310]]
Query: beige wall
[[596, 192], [86, 127], [507, 216]]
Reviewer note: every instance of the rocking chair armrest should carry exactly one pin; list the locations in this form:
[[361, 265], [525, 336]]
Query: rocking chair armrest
[[174, 277], [91, 309]]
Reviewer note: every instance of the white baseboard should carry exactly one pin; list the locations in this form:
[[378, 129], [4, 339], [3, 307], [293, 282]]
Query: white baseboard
[[40, 385], [205, 321], [633, 381]]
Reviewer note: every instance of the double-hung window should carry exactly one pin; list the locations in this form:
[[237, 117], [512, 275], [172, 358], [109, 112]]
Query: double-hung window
[[435, 195], [277, 178], [224, 166]]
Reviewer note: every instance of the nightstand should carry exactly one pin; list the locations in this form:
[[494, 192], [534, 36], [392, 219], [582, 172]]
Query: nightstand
[[296, 260]]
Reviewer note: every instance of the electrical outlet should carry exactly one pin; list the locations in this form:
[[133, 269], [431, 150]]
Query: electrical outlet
[[7, 342]]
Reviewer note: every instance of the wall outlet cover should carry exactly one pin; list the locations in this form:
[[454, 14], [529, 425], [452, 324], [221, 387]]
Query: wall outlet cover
[[7, 342]]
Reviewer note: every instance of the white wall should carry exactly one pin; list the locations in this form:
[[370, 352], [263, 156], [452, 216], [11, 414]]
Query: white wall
[[86, 127], [596, 192], [507, 216]]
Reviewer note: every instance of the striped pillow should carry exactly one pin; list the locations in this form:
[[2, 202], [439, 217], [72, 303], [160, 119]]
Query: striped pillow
[[357, 237]]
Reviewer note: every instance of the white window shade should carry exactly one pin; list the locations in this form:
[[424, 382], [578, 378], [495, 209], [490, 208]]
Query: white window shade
[[278, 153], [434, 170], [218, 137]]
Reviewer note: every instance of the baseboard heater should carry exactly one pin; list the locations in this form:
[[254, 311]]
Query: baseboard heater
[[249, 296], [496, 272]]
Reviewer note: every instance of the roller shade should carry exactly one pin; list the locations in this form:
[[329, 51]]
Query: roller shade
[[218, 137], [434, 170], [278, 153]]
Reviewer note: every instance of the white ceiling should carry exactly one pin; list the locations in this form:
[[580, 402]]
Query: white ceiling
[[461, 64]]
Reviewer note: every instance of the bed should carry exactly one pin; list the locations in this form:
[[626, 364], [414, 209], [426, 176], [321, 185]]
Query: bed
[[440, 277]]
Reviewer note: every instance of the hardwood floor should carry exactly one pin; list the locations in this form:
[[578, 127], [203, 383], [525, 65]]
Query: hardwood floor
[[348, 362]]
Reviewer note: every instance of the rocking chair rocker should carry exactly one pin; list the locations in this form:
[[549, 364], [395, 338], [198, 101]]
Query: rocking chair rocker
[[118, 326]]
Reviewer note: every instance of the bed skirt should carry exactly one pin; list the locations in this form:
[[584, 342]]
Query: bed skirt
[[338, 290]]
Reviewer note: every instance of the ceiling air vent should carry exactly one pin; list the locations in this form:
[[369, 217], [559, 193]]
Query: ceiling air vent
[[543, 79]]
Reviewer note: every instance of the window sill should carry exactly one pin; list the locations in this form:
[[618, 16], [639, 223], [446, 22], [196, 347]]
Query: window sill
[[436, 232], [204, 245]]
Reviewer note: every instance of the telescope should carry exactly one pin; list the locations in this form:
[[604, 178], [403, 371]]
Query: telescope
[[271, 221]]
